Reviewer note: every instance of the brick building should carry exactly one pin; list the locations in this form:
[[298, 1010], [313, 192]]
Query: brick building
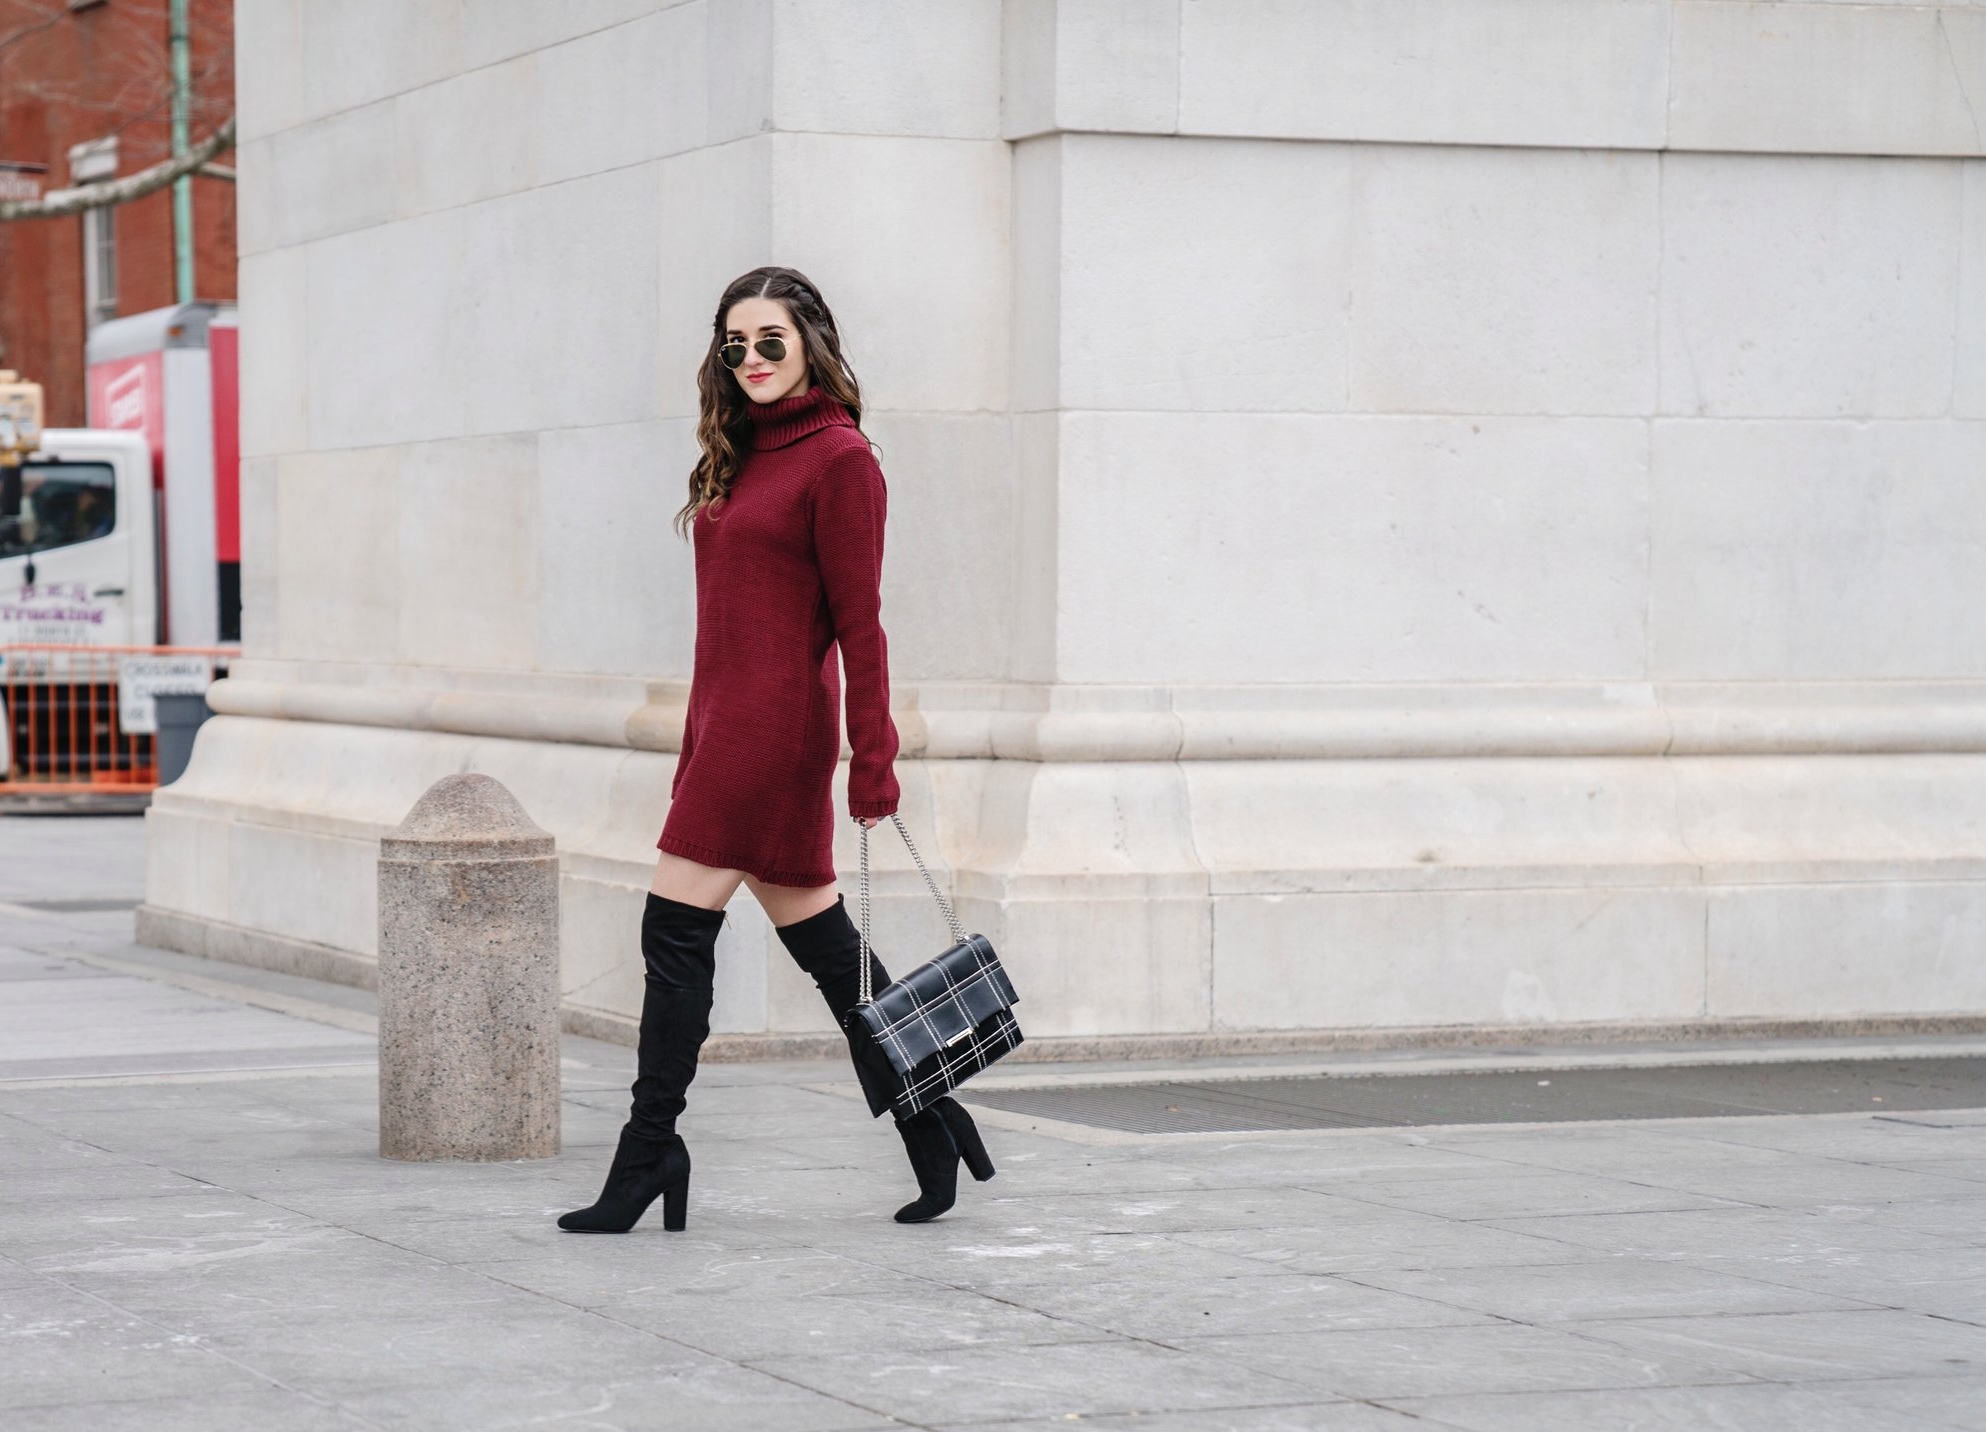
[[85, 95]]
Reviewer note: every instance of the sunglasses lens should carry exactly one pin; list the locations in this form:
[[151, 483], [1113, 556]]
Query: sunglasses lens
[[773, 350]]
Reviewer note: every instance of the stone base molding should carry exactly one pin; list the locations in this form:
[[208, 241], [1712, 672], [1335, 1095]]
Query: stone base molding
[[234, 945], [1127, 722], [1791, 875]]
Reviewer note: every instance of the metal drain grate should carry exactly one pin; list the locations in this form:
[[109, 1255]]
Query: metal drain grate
[[1532, 1096]]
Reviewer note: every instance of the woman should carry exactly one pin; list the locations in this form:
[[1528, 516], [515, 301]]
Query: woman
[[787, 505]]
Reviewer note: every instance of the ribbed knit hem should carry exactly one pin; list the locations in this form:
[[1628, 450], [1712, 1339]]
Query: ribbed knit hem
[[874, 808], [704, 855]]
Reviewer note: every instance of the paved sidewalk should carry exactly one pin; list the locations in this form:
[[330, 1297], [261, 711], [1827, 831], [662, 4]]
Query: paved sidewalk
[[197, 1233]]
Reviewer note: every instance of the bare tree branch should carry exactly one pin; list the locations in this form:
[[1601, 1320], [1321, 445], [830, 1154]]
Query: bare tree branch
[[7, 41], [63, 202], [139, 98]]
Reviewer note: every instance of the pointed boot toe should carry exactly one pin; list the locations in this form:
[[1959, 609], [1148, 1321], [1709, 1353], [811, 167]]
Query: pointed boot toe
[[934, 1158], [643, 1170]]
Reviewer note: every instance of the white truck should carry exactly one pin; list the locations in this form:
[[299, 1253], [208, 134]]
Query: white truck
[[79, 543], [119, 559]]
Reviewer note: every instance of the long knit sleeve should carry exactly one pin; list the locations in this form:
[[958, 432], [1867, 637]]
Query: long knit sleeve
[[849, 504]]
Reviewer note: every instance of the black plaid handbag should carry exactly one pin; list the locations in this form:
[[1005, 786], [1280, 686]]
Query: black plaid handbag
[[922, 1035]]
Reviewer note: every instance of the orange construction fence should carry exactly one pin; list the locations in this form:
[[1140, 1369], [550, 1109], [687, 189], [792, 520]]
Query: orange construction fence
[[78, 719]]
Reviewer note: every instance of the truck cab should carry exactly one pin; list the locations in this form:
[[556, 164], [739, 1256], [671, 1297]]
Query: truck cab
[[79, 543]]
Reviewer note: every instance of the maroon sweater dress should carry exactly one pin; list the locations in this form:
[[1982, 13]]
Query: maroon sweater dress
[[789, 569]]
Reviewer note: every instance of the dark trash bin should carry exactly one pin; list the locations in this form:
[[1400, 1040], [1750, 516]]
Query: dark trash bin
[[180, 717]]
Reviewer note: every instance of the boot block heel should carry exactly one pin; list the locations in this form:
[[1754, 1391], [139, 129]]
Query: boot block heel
[[965, 1134], [642, 1169], [676, 1207]]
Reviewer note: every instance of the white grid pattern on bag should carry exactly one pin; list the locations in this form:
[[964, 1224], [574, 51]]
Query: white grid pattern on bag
[[981, 1044], [898, 1024], [999, 1034]]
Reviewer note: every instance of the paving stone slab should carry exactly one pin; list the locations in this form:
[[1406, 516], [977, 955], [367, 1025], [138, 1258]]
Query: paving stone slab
[[264, 1411], [1386, 1364], [1618, 1288], [1971, 1168], [18, 966], [337, 1356], [1183, 1210], [1268, 1302], [712, 1397], [594, 1271], [147, 1246], [125, 1220], [957, 1252], [321, 1273], [1960, 1220], [526, 1232], [122, 1025], [1368, 1236], [58, 1345], [105, 1176], [911, 1317], [1089, 1378], [1306, 1417], [1945, 1282], [71, 855], [1750, 1407], [1733, 1238], [1945, 1402], [1869, 1139], [1323, 1160], [1812, 1347], [203, 1144], [1805, 1182], [1513, 1193], [213, 1089], [1036, 1166]]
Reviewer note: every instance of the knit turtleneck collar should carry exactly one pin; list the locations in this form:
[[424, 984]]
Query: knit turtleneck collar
[[786, 420]]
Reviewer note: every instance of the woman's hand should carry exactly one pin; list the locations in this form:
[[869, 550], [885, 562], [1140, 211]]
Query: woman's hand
[[867, 820]]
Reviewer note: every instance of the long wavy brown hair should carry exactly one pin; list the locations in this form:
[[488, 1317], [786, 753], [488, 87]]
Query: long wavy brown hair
[[723, 423]]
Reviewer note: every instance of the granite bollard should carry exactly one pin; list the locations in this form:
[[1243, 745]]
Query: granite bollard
[[468, 979]]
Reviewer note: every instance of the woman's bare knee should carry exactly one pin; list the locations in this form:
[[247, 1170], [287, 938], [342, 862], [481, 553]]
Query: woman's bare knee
[[786, 904], [679, 878]]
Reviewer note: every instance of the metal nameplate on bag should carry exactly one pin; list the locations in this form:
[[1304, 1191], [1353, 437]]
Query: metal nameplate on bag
[[957, 1037]]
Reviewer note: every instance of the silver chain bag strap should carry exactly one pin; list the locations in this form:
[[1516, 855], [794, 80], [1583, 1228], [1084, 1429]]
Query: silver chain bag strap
[[940, 1024]]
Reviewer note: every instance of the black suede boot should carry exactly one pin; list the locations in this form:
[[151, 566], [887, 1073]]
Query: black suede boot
[[642, 1168], [828, 947], [965, 1134], [678, 947], [934, 1158]]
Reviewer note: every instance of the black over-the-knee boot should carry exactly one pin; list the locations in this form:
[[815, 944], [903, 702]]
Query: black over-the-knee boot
[[678, 948], [829, 948]]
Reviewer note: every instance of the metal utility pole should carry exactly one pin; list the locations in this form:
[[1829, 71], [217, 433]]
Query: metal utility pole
[[182, 187]]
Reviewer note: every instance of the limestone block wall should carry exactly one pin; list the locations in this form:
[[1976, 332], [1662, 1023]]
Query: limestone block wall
[[1404, 513]]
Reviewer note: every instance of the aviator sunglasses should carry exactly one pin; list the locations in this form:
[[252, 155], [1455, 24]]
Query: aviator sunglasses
[[773, 350]]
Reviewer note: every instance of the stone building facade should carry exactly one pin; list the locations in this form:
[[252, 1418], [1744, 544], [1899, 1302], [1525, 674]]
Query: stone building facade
[[1404, 515]]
